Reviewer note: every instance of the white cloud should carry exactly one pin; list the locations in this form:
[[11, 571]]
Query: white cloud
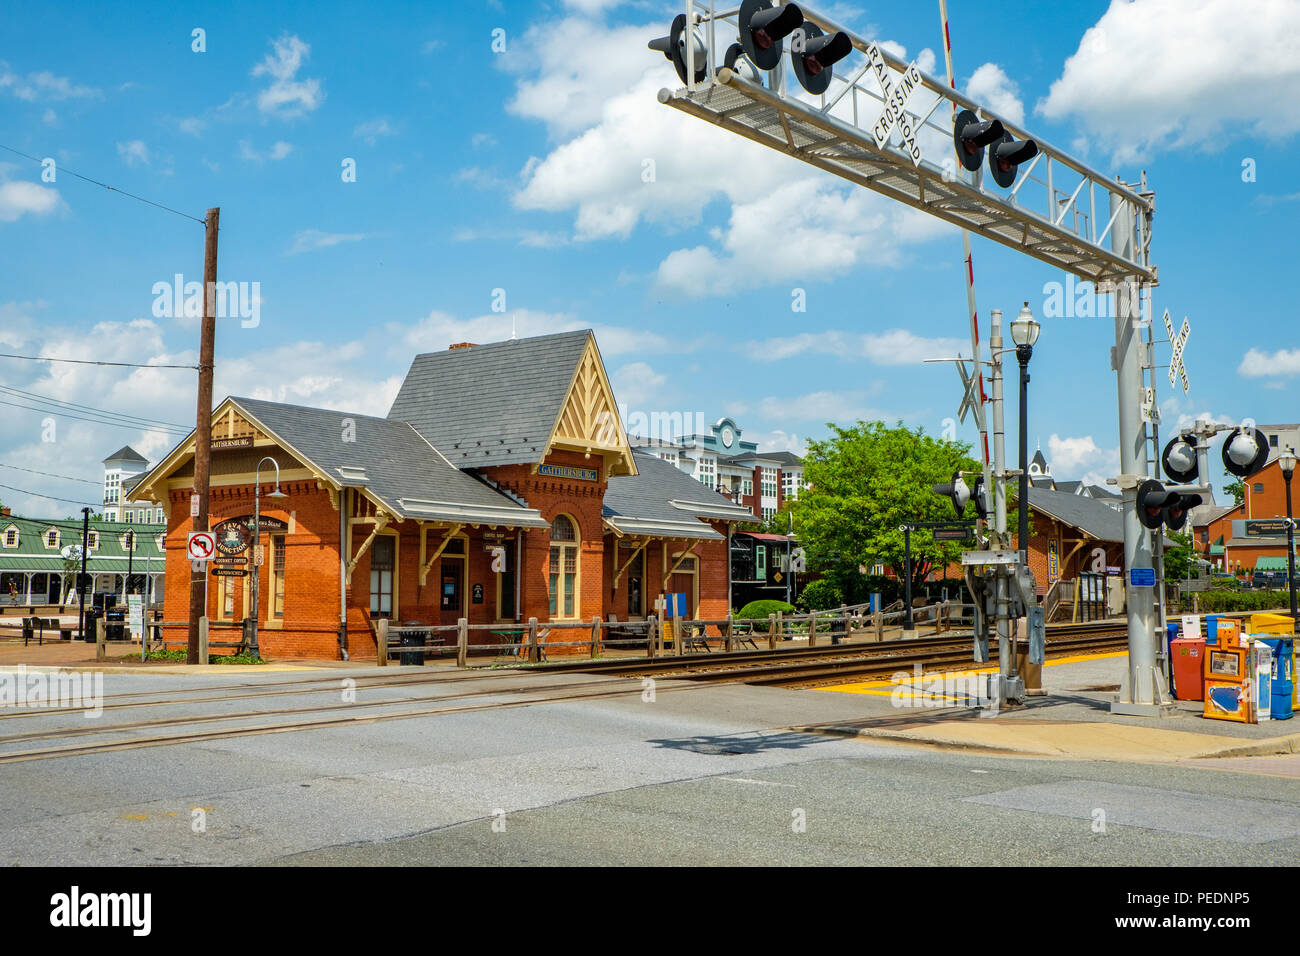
[[192, 125], [636, 384], [42, 86], [23, 198], [990, 86], [779, 440], [50, 118], [1257, 363], [371, 130], [279, 150], [439, 329], [287, 96], [890, 347], [309, 240], [1069, 457], [1159, 74], [133, 153], [825, 406], [629, 160]]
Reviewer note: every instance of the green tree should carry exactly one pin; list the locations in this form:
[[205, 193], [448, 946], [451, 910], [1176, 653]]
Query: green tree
[[1237, 490], [864, 482], [1179, 558]]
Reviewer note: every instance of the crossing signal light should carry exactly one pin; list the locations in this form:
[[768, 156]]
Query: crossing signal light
[[970, 135], [956, 491], [1157, 506], [1245, 451], [763, 29], [673, 47], [1179, 460], [815, 55], [1006, 155], [980, 495]]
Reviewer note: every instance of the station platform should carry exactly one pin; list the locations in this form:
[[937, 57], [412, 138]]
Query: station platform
[[1072, 720]]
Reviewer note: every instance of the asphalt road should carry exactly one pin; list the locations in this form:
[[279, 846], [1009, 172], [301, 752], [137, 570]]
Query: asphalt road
[[698, 776]]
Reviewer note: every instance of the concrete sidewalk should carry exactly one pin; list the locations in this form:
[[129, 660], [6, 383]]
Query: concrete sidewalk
[[1073, 721]]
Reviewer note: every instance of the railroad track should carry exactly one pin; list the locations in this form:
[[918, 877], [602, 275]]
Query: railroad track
[[800, 665]]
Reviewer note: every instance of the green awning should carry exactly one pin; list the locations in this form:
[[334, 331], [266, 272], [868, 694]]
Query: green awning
[[1216, 550], [1270, 563]]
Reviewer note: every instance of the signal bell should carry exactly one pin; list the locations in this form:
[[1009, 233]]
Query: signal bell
[[815, 55], [1245, 451], [673, 47], [1179, 460], [764, 27]]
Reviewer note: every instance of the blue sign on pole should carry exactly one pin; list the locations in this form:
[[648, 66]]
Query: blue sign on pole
[[1142, 577]]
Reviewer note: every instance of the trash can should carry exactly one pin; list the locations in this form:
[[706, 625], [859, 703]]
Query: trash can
[[839, 629], [91, 631], [411, 634], [115, 625]]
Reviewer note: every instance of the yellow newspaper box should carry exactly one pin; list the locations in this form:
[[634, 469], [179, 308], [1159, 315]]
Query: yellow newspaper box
[[1271, 624]]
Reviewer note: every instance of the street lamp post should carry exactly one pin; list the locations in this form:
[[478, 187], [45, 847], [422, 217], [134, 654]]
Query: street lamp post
[[1287, 463], [1024, 332], [257, 539]]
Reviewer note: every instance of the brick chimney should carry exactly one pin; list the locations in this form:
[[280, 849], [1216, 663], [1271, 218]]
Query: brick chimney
[[461, 345]]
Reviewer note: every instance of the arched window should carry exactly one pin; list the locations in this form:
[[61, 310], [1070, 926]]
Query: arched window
[[564, 568]]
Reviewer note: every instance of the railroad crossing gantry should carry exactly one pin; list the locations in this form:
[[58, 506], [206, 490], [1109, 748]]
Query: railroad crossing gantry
[[881, 123]]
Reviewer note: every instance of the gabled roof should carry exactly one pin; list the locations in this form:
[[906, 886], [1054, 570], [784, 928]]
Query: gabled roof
[[1070, 487], [1095, 518], [126, 453], [494, 404], [663, 501], [1039, 460], [390, 460]]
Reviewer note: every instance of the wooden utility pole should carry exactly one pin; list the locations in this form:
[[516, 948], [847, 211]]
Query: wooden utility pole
[[203, 427]]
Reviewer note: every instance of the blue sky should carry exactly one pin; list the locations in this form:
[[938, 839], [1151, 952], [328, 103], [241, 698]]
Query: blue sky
[[521, 171]]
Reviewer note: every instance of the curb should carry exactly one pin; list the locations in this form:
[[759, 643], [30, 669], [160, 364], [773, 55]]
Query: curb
[[1257, 748]]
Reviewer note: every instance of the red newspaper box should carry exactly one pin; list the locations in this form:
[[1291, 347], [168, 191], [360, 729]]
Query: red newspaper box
[[1188, 660]]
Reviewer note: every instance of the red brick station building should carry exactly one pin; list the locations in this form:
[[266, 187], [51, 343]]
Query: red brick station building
[[512, 450]]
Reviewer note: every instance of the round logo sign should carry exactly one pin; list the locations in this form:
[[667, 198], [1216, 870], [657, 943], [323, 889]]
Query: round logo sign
[[232, 537]]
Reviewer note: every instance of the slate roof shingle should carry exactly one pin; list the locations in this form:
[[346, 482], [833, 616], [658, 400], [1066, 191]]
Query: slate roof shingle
[[490, 404]]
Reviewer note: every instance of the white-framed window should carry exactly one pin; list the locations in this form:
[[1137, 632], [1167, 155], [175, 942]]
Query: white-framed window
[[158, 516], [767, 477], [11, 537], [52, 538], [791, 483], [747, 486], [130, 517], [161, 539], [110, 515], [760, 559], [669, 456], [708, 471], [92, 540], [563, 578]]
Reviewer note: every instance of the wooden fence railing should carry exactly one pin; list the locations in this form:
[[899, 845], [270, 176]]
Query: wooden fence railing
[[531, 641]]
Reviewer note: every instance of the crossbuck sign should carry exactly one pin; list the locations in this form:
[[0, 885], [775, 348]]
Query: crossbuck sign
[[1177, 344]]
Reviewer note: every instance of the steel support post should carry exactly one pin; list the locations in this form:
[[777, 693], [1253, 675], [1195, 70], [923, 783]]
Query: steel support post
[[1142, 691], [1008, 684]]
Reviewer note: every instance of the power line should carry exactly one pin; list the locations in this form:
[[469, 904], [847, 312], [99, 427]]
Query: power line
[[149, 422], [112, 189], [98, 421], [37, 494], [46, 358], [46, 474]]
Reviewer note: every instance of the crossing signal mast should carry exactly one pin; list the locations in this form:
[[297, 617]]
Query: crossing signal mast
[[866, 116]]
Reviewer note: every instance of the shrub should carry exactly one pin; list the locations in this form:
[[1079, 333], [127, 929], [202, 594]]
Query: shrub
[[820, 595], [759, 610], [1215, 601]]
